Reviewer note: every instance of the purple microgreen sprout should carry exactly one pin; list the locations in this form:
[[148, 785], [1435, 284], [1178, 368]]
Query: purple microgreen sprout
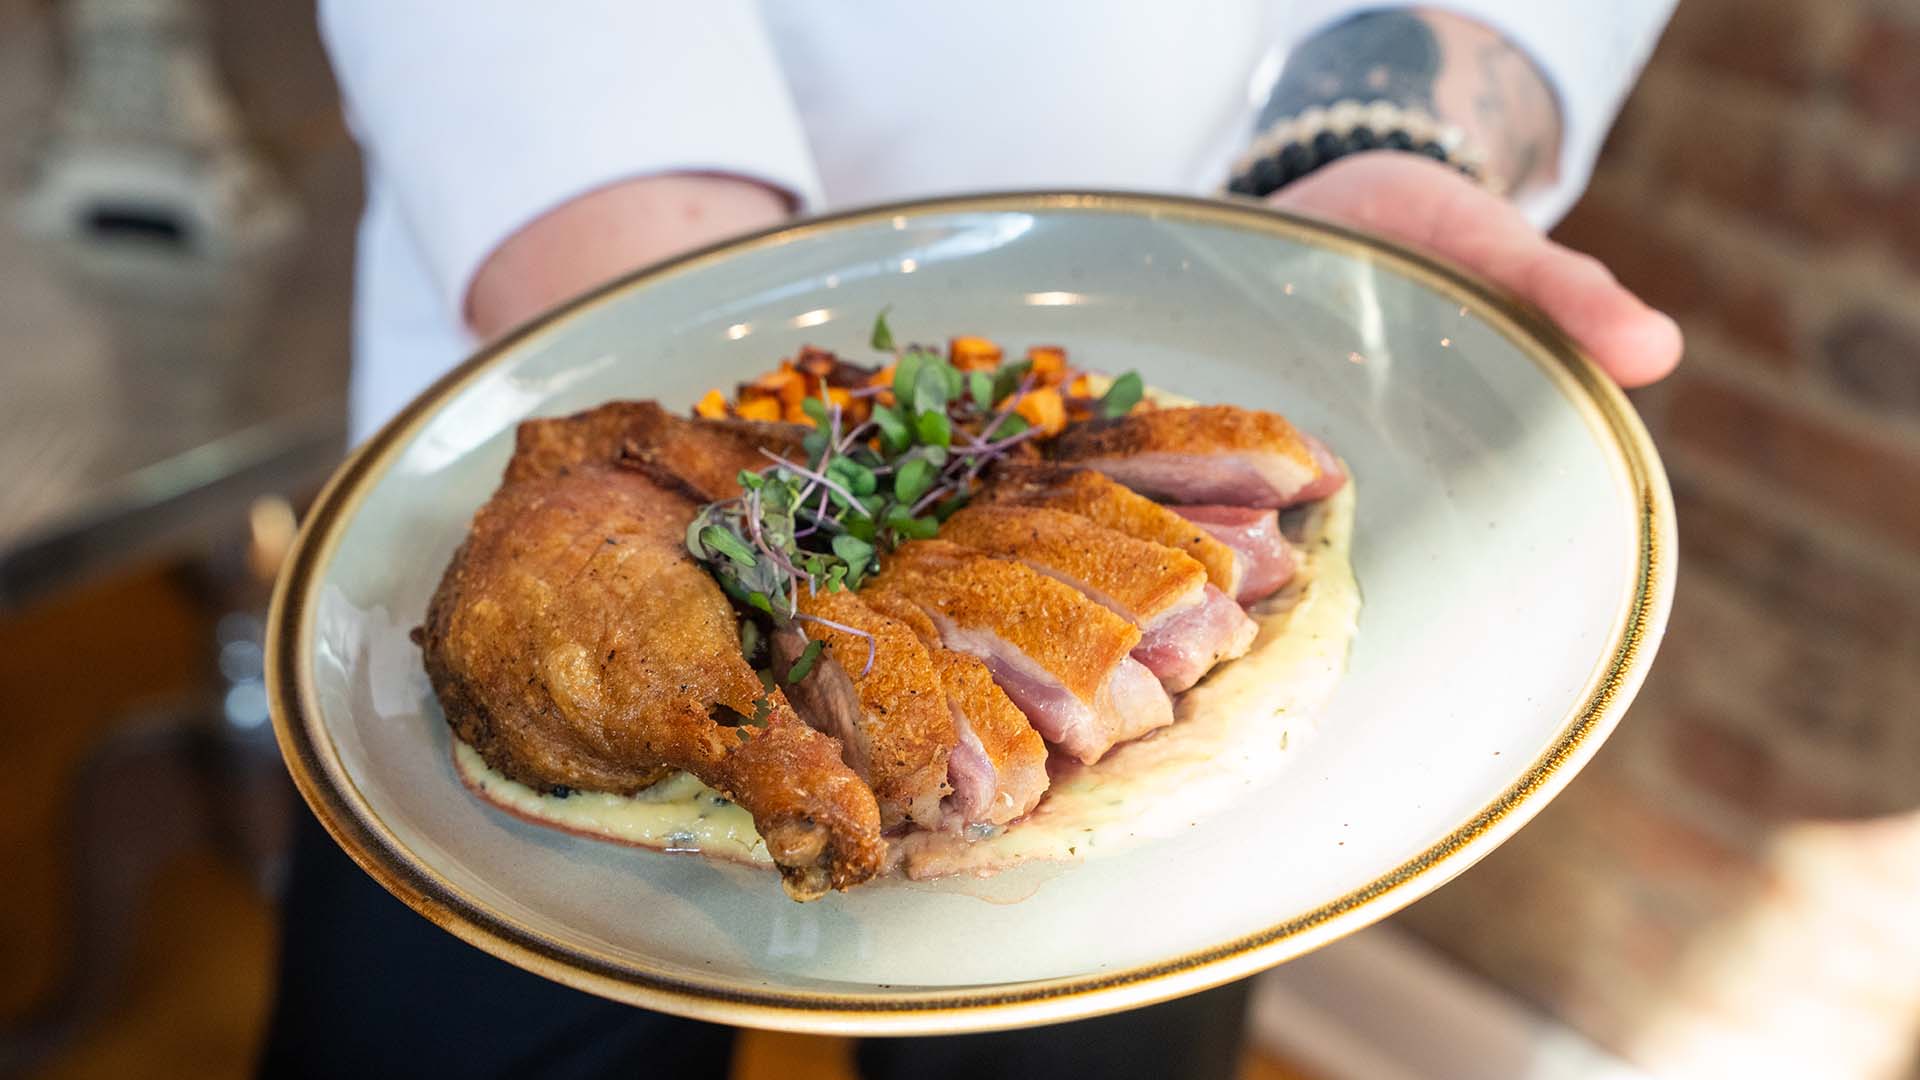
[[873, 646]]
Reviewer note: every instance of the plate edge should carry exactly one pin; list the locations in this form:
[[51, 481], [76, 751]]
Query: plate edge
[[322, 782]]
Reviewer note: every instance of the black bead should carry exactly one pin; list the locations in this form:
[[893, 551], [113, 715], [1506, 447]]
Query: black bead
[[1295, 161], [1266, 176]]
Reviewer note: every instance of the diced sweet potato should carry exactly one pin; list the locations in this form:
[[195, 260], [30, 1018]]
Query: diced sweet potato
[[1049, 364], [712, 406], [786, 384], [763, 408], [1056, 392], [973, 354], [1044, 409], [883, 377]]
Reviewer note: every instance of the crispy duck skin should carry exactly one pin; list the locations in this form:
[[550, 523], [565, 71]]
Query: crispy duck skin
[[1265, 558], [1206, 454], [1104, 501], [1138, 579], [894, 727], [1186, 626], [699, 458], [1062, 658], [998, 767], [575, 644]]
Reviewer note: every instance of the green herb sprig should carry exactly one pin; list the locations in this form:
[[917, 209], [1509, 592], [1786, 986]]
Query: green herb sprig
[[863, 489]]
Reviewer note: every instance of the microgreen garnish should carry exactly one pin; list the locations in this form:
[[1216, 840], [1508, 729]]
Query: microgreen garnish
[[1122, 396], [872, 647], [859, 489], [805, 663]]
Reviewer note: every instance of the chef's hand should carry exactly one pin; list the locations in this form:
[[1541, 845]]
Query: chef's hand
[[1431, 207], [1467, 74]]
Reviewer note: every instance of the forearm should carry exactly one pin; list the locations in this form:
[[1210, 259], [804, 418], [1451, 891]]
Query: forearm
[[606, 233], [1450, 66]]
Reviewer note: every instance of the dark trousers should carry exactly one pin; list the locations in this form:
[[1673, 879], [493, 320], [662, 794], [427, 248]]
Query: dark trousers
[[367, 988]]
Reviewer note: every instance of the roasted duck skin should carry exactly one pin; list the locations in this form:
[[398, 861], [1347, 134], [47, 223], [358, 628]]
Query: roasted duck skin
[[892, 722], [998, 766], [1136, 578], [575, 644], [699, 458], [1206, 454], [1105, 501], [1186, 625], [1062, 658]]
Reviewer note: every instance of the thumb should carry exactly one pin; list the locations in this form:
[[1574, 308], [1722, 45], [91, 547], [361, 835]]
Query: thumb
[[1428, 206]]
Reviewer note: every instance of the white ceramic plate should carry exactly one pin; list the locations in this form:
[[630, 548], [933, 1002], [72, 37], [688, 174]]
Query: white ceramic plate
[[1515, 544]]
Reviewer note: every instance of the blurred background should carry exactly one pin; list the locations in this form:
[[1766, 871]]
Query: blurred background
[[1731, 889]]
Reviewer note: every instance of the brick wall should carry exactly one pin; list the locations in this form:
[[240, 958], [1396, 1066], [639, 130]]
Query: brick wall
[[1733, 888]]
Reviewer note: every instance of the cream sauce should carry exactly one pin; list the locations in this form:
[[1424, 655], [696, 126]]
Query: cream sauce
[[1233, 730], [676, 814]]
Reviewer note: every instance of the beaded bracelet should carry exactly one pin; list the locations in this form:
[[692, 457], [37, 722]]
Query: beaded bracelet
[[1298, 145]]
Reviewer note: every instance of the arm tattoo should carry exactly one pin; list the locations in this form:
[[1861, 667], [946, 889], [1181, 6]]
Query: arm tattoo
[[1445, 65], [1494, 108], [1388, 55]]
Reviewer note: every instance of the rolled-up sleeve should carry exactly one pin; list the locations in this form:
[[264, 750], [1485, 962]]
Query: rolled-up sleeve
[[1591, 51], [480, 115]]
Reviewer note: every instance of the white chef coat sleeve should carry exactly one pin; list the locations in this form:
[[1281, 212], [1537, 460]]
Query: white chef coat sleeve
[[483, 114], [1590, 50]]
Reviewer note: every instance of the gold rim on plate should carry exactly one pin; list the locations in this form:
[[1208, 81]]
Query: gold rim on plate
[[317, 771]]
